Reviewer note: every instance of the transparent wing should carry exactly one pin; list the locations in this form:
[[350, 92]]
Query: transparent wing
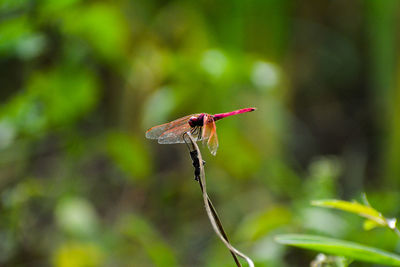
[[212, 143], [156, 131], [176, 135], [210, 133], [207, 121]]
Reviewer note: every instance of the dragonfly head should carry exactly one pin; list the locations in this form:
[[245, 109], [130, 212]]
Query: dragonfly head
[[196, 120]]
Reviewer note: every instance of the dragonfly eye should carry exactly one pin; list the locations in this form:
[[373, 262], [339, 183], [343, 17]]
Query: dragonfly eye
[[193, 121], [196, 120]]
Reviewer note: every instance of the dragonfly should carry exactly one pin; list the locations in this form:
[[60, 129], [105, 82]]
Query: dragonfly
[[201, 126]]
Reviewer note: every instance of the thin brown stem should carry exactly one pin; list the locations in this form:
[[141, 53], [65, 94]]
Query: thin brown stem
[[219, 224], [211, 212]]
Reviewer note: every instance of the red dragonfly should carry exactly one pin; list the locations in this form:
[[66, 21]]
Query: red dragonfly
[[201, 126]]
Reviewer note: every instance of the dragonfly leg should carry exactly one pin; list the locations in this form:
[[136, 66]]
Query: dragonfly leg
[[196, 132]]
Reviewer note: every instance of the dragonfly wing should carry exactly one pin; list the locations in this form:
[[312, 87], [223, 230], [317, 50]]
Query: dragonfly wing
[[210, 133], [207, 127], [212, 143], [156, 131], [174, 135]]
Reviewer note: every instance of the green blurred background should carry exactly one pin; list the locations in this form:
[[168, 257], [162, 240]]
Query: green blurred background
[[81, 82]]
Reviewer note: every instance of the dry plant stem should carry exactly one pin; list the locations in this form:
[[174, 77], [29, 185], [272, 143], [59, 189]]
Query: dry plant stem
[[220, 227], [212, 215]]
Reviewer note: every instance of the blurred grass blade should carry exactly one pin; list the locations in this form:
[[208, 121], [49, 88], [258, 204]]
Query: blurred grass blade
[[353, 207], [369, 225], [340, 248]]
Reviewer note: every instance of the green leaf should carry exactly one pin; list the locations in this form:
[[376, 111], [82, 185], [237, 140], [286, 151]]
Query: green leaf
[[369, 225], [353, 207], [340, 248]]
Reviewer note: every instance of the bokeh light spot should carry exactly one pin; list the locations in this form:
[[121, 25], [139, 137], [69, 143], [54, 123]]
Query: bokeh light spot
[[265, 75], [214, 62]]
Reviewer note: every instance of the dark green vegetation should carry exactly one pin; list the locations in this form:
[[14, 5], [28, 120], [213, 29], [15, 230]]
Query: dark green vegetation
[[81, 81]]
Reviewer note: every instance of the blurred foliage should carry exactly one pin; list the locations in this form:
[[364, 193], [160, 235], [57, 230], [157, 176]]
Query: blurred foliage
[[347, 251], [81, 81], [343, 248]]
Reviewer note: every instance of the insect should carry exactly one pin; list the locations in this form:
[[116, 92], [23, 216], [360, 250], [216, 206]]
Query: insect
[[201, 126]]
